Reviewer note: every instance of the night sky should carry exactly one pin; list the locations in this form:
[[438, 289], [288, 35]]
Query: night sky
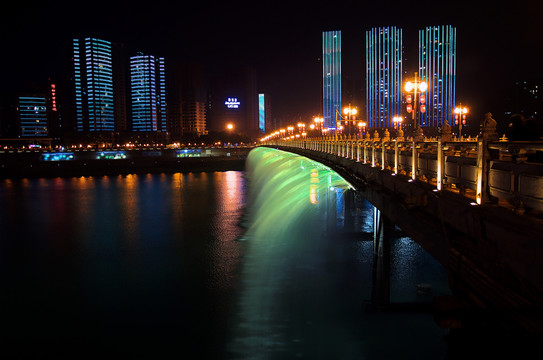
[[496, 44]]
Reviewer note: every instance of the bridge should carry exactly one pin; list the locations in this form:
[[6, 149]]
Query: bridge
[[476, 206]]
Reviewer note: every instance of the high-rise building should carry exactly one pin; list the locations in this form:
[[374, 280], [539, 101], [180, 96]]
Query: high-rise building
[[32, 116], [187, 100], [331, 77], [265, 121], [93, 76], [148, 88], [437, 67], [526, 98], [384, 71], [120, 87], [233, 99]]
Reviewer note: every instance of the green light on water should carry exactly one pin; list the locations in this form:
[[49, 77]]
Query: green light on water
[[287, 189], [293, 203]]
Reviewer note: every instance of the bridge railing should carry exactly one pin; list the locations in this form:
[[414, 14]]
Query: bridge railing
[[484, 169]]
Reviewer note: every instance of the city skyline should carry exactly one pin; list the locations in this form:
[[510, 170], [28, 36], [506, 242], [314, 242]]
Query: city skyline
[[214, 36]]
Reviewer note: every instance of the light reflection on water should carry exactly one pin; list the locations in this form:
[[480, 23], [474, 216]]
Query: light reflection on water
[[154, 265], [135, 264], [304, 281]]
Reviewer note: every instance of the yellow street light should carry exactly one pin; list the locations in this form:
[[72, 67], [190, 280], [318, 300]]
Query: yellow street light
[[460, 118], [397, 120], [350, 114], [230, 126], [416, 87]]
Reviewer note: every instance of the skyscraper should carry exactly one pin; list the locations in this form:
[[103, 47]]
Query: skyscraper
[[93, 78], [32, 116], [148, 84], [187, 97], [384, 71], [437, 66], [265, 121], [331, 77]]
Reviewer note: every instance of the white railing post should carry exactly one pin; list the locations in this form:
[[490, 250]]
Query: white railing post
[[439, 165], [414, 161], [396, 157]]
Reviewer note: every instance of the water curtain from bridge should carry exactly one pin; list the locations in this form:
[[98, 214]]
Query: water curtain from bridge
[[293, 204]]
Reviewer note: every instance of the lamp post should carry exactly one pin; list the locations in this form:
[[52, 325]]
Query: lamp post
[[361, 127], [460, 118], [350, 117], [397, 120], [416, 87], [319, 123]]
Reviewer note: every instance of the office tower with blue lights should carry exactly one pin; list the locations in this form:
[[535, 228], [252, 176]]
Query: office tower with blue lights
[[437, 66], [32, 116], [93, 77], [384, 75], [265, 121], [331, 77], [262, 113], [148, 89]]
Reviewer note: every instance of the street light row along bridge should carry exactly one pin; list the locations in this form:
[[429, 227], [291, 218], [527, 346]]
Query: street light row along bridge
[[474, 205]]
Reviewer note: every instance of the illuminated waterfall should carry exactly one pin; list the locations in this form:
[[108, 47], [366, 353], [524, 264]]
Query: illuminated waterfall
[[292, 203]]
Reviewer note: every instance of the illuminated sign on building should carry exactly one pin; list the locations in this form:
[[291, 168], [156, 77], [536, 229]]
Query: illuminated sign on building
[[53, 98], [232, 103]]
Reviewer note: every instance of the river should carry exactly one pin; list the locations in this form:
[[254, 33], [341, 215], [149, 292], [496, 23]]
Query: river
[[275, 262]]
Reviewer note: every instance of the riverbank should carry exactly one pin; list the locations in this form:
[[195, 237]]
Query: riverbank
[[119, 162]]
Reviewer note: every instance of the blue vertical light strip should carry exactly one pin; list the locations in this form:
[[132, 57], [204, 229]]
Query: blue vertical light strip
[[331, 77], [78, 83], [437, 66], [261, 113], [162, 94], [153, 95], [384, 75], [32, 116]]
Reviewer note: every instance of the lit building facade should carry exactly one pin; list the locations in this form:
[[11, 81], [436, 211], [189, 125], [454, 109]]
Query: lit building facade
[[32, 116], [437, 66], [331, 77], [187, 105], [148, 89], [233, 99], [262, 113], [384, 75], [93, 77]]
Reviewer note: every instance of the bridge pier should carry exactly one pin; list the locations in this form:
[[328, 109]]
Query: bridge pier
[[382, 233]]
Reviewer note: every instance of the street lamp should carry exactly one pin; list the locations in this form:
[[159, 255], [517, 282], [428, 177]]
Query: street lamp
[[397, 120], [350, 114], [318, 123], [361, 127], [230, 126], [460, 118], [416, 87]]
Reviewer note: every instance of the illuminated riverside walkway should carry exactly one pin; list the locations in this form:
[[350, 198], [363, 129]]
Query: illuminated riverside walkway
[[474, 205]]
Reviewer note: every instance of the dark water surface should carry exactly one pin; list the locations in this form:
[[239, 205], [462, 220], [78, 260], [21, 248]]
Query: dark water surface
[[226, 265]]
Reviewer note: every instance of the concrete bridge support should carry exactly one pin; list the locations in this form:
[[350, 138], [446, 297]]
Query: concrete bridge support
[[382, 232]]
